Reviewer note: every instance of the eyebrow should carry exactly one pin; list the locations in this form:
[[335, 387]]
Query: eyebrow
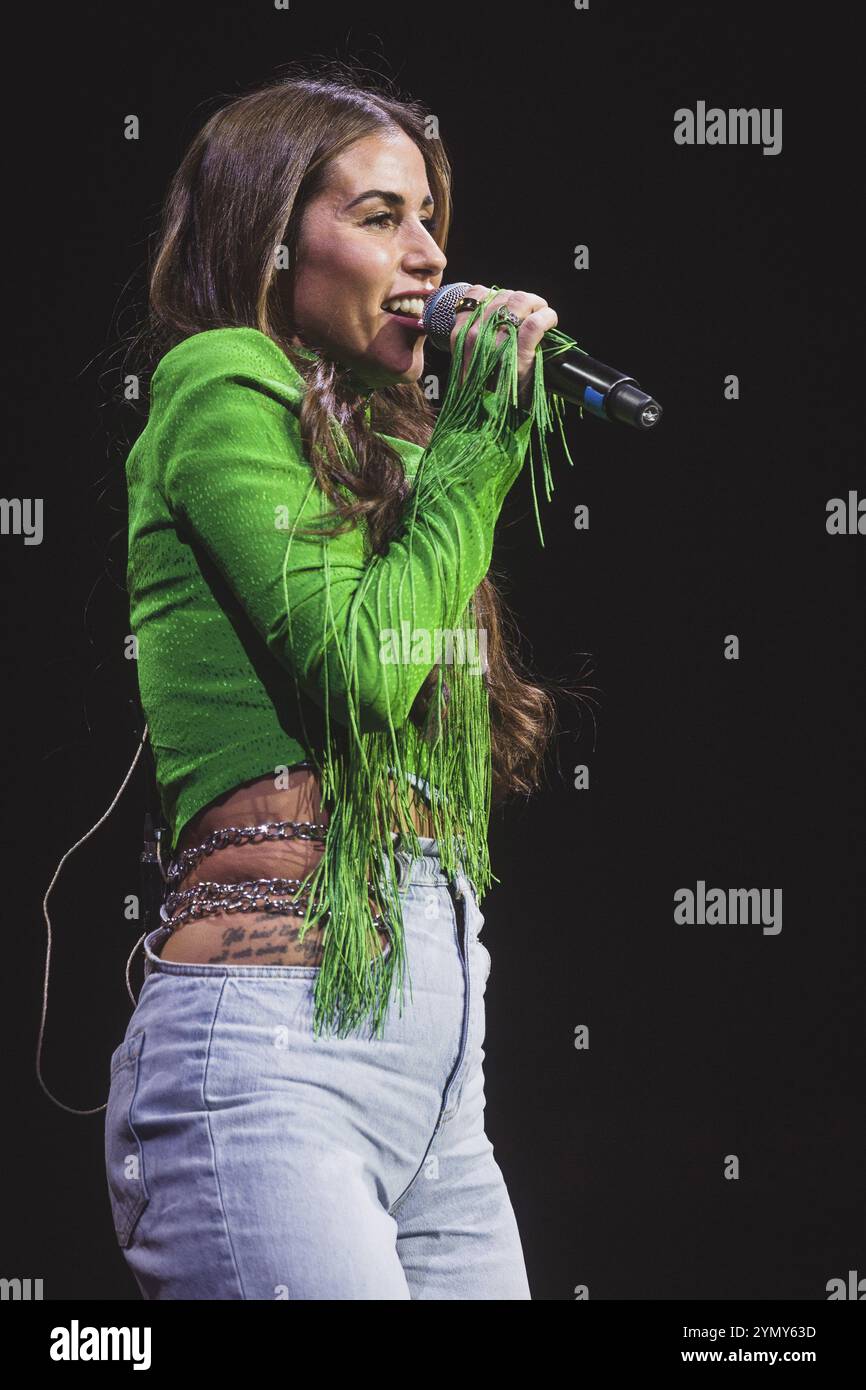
[[394, 199]]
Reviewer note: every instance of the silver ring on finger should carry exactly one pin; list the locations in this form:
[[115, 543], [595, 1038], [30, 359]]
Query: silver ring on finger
[[507, 316]]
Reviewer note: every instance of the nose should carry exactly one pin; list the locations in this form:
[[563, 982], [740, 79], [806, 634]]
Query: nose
[[424, 257]]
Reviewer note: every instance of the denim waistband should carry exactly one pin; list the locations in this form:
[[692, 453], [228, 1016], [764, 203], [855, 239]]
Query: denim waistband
[[424, 867]]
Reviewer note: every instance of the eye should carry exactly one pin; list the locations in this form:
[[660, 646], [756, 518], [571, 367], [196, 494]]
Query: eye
[[376, 220]]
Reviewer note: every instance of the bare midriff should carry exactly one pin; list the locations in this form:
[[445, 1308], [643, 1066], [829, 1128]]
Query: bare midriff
[[264, 938]]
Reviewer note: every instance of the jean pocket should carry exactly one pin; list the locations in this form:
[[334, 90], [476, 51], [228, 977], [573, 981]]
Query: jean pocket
[[124, 1156]]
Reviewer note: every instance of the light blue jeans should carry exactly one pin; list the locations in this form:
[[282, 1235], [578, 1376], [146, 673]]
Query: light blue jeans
[[248, 1159]]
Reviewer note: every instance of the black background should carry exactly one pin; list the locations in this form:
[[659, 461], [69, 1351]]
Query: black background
[[705, 1041]]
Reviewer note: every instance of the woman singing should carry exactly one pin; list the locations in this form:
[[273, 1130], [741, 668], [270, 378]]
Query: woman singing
[[297, 1108]]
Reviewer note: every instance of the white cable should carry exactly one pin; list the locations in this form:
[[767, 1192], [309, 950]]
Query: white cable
[[71, 1109]]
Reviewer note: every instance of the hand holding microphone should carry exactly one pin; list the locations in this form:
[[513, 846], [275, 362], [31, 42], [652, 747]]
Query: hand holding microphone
[[572, 374], [535, 317]]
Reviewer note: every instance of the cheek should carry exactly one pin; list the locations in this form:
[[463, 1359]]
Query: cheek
[[365, 267], [356, 288], [346, 287]]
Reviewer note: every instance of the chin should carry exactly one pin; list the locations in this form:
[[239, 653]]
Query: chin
[[411, 374], [389, 358], [415, 366], [383, 374]]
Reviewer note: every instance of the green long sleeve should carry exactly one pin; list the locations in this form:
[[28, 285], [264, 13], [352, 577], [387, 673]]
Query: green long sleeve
[[230, 461]]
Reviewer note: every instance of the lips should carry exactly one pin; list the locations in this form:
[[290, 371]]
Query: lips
[[407, 319]]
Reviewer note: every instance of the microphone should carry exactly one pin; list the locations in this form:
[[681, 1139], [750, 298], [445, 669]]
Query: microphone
[[604, 391]]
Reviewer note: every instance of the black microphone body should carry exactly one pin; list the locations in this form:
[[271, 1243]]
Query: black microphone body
[[604, 391]]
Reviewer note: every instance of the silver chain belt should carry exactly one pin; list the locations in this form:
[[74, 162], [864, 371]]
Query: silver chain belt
[[242, 835], [251, 895]]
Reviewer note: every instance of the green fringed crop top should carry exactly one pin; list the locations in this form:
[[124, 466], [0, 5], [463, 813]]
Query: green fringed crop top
[[211, 480]]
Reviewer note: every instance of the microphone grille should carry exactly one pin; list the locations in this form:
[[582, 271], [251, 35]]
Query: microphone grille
[[439, 313]]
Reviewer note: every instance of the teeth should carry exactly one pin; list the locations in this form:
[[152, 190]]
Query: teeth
[[415, 307]]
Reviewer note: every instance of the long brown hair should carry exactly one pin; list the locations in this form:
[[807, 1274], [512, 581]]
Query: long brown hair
[[239, 192]]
